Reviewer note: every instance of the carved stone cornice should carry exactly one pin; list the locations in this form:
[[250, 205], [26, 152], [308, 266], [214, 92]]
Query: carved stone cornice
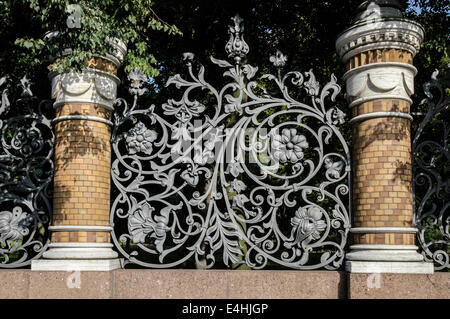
[[90, 86], [381, 33], [93, 85], [384, 80]]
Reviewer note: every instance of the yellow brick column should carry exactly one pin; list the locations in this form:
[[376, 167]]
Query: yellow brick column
[[378, 50], [81, 200], [82, 174]]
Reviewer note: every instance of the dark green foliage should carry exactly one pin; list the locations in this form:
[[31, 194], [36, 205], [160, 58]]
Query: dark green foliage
[[29, 47]]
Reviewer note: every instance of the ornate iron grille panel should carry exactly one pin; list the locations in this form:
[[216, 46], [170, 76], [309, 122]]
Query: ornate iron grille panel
[[244, 174], [431, 171], [26, 173]]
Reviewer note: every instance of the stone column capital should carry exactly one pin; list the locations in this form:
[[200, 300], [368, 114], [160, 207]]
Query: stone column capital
[[382, 80], [380, 33], [91, 86]]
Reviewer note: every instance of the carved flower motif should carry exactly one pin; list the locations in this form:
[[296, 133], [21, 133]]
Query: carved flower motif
[[12, 226], [141, 224], [236, 46], [240, 200], [139, 139], [237, 186], [279, 59], [312, 86], [289, 146], [334, 168], [184, 109], [234, 168], [188, 57], [27, 141], [190, 177], [335, 116], [136, 78], [308, 224]]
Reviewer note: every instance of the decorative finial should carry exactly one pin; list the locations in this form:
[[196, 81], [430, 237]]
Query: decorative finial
[[374, 9], [279, 59], [188, 57], [25, 84], [236, 46], [136, 78]]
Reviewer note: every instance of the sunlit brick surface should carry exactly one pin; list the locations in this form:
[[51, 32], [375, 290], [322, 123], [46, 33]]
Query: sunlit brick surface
[[382, 190], [82, 173]]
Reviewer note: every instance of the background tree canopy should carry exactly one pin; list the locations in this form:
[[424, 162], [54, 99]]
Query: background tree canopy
[[303, 30]]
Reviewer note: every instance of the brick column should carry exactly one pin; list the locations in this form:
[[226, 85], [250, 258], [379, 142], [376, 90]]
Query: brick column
[[378, 50], [81, 201]]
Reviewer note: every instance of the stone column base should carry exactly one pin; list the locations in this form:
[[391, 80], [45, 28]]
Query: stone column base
[[391, 267], [397, 259], [78, 256], [73, 250], [76, 264]]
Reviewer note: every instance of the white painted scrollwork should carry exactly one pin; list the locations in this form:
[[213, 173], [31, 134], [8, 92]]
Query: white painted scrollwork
[[26, 173]]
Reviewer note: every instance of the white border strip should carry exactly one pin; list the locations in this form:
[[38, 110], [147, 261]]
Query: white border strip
[[80, 245], [382, 247], [374, 115], [379, 97], [89, 228], [94, 71], [374, 65], [90, 102], [380, 230], [82, 117]]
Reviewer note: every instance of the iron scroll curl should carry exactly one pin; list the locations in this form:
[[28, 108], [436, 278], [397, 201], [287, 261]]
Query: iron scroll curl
[[26, 175]]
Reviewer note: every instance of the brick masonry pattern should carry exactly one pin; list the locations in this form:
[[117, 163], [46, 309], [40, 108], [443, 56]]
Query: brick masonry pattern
[[376, 56], [382, 194], [82, 173]]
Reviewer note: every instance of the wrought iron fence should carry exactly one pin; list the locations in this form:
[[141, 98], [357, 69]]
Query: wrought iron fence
[[253, 173], [26, 172], [244, 174], [431, 176]]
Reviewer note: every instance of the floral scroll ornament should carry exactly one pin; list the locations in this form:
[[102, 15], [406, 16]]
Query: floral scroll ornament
[[136, 78], [288, 146], [142, 223], [27, 141], [232, 195], [334, 168], [13, 226], [278, 60], [26, 152], [140, 139], [307, 226]]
